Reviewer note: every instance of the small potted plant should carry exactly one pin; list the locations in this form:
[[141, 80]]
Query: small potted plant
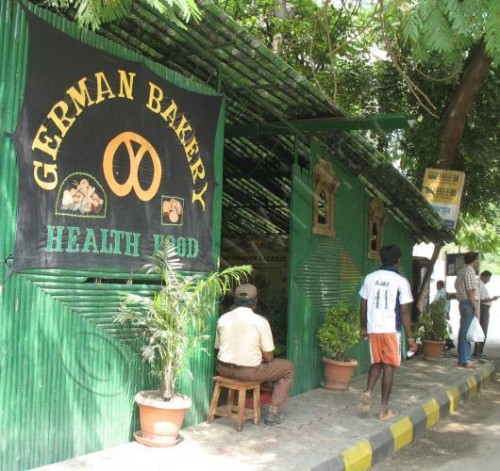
[[338, 333], [172, 326], [434, 330]]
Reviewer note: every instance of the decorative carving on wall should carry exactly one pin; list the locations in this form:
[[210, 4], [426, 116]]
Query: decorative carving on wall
[[325, 184], [375, 227]]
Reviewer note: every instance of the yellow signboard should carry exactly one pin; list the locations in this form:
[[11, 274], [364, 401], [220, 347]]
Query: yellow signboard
[[443, 189]]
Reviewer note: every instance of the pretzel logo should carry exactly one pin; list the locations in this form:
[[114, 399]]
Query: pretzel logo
[[136, 147]]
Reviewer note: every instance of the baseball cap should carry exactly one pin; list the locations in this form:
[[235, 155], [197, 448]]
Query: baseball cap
[[246, 291]]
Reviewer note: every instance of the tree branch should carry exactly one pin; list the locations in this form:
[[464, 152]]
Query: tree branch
[[455, 116], [419, 94]]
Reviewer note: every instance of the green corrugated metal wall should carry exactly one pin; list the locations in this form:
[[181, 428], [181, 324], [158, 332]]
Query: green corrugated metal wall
[[326, 270], [67, 374]]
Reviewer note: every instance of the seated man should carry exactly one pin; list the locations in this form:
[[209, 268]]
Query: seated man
[[246, 346]]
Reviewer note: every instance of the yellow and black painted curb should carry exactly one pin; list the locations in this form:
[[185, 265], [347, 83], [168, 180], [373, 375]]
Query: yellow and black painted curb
[[397, 435]]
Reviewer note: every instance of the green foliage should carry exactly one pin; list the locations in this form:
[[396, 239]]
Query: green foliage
[[92, 13], [433, 40], [434, 324], [344, 48], [173, 324], [339, 331], [481, 233], [478, 156], [492, 33], [446, 27]]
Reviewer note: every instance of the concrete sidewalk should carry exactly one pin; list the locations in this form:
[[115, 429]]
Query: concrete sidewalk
[[321, 431]]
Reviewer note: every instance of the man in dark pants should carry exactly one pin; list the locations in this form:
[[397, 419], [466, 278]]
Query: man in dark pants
[[246, 347], [468, 305], [484, 312]]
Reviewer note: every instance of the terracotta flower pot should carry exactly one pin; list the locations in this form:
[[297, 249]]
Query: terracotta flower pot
[[433, 349], [338, 374], [160, 420]]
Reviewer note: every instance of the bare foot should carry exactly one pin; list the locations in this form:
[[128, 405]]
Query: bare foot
[[365, 403], [390, 414]]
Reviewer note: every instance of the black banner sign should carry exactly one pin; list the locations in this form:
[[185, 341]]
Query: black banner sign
[[112, 160]]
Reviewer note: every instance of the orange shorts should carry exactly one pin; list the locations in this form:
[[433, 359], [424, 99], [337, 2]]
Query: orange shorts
[[385, 348]]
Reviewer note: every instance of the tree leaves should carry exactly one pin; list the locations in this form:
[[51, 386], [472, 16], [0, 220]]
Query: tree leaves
[[493, 29], [92, 13]]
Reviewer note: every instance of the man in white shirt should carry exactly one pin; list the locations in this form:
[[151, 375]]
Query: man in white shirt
[[441, 294], [484, 311], [385, 307], [246, 351]]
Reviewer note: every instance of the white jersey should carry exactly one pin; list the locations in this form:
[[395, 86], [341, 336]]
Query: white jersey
[[385, 290]]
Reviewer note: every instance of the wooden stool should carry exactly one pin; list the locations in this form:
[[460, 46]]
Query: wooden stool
[[238, 412]]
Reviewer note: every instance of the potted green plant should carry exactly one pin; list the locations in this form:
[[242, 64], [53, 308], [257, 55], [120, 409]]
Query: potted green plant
[[172, 327], [434, 330], [336, 335]]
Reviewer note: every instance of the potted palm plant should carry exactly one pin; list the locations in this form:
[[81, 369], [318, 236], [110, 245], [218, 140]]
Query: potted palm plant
[[172, 327], [434, 330], [336, 335]]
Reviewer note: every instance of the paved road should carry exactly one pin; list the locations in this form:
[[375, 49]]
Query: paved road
[[469, 439]]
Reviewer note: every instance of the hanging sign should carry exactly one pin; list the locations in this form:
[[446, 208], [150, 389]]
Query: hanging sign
[[113, 159], [443, 189]]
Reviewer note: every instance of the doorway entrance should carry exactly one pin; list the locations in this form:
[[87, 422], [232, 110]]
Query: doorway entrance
[[268, 256]]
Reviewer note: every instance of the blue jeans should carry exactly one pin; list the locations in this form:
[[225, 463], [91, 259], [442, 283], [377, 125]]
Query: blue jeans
[[464, 347]]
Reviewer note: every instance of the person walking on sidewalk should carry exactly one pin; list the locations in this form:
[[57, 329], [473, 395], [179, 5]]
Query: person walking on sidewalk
[[246, 351], [484, 311], [385, 307], [467, 296]]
